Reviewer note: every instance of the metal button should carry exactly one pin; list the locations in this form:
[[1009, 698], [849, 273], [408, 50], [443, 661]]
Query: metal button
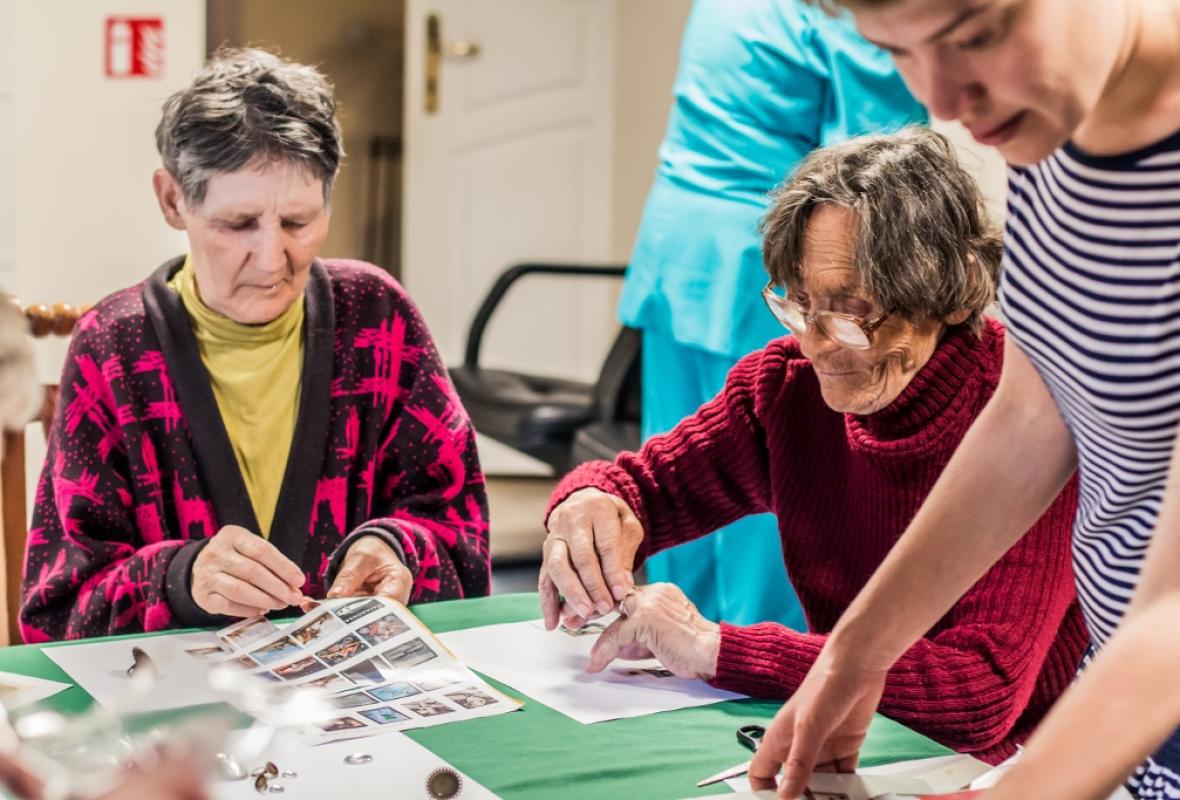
[[443, 784]]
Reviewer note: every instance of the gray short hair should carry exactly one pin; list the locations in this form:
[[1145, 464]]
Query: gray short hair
[[247, 105], [924, 247]]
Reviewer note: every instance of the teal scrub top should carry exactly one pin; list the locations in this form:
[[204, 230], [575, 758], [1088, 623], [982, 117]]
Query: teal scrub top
[[761, 84]]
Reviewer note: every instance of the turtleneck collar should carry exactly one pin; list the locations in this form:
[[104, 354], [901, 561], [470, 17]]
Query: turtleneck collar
[[209, 324], [942, 397]]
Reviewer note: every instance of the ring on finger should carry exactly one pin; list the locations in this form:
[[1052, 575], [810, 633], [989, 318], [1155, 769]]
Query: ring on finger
[[622, 606]]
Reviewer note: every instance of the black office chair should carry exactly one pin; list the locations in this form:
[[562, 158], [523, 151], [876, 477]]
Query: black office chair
[[542, 415]]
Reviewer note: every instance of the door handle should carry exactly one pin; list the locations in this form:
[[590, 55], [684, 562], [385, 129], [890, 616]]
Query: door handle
[[434, 56], [433, 61], [463, 49]]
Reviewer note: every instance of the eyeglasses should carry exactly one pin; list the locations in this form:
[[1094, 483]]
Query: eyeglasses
[[847, 330]]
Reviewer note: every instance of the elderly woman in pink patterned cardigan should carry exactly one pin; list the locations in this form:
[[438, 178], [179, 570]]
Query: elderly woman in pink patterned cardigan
[[252, 425]]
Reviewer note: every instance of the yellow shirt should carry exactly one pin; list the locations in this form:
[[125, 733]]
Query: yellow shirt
[[255, 371]]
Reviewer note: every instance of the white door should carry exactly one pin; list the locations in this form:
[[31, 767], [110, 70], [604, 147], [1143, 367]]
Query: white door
[[511, 164]]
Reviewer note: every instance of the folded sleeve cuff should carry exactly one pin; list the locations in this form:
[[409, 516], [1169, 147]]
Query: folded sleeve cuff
[[179, 591]]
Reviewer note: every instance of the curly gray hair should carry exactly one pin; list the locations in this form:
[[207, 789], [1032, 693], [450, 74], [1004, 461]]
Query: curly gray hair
[[924, 248], [247, 105]]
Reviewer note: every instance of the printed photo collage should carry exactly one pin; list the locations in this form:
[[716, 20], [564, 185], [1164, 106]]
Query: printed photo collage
[[380, 666]]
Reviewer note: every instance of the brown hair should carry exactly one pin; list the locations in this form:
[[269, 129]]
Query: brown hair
[[924, 247]]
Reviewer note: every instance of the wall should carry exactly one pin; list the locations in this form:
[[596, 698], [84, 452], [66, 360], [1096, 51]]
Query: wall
[[6, 159], [85, 220], [647, 51], [81, 151]]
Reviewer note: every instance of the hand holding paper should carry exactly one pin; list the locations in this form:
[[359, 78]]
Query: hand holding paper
[[821, 727], [244, 575], [370, 567], [588, 556]]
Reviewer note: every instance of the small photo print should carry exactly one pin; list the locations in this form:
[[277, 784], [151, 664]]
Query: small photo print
[[429, 707], [245, 662], [342, 650], [429, 681], [206, 653], [248, 632], [394, 691], [364, 673], [350, 612], [384, 716], [298, 669], [342, 724], [382, 629], [469, 697], [317, 628], [408, 654], [352, 700], [330, 682], [276, 651]]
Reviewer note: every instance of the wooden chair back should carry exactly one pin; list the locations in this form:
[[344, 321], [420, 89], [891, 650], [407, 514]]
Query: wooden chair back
[[44, 321]]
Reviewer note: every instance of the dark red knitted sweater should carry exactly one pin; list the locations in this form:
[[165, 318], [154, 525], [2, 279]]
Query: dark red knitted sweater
[[844, 488]]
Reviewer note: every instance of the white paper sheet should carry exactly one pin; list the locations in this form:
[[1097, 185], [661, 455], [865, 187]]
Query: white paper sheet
[[549, 666], [101, 669], [937, 775], [942, 774], [18, 690], [400, 768]]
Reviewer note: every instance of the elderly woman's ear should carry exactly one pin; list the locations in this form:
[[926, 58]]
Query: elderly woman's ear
[[958, 317], [169, 196]]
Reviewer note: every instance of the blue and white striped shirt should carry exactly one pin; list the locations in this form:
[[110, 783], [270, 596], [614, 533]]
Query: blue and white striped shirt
[[1091, 292]]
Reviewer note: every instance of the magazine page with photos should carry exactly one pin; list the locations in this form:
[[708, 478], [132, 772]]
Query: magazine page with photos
[[381, 667]]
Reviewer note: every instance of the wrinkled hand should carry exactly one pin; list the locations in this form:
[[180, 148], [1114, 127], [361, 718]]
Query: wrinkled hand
[[588, 556], [821, 728], [243, 575], [371, 567], [658, 620]]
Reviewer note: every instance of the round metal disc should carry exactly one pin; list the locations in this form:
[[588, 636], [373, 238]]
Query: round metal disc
[[443, 784]]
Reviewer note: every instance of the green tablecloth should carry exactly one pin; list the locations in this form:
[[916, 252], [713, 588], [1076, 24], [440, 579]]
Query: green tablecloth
[[538, 753]]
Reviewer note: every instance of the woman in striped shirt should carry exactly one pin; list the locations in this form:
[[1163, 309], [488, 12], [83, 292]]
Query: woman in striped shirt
[[1082, 98]]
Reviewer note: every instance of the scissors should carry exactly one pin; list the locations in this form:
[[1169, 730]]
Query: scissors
[[748, 736]]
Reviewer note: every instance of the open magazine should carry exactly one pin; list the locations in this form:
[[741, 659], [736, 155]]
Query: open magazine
[[381, 667]]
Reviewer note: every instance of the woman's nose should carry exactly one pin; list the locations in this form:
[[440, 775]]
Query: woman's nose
[[270, 249], [815, 342]]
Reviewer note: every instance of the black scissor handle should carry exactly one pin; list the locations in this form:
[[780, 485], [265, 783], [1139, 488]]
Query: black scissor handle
[[750, 736]]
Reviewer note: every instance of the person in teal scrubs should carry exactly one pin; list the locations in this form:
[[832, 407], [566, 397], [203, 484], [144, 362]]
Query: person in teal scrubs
[[761, 83]]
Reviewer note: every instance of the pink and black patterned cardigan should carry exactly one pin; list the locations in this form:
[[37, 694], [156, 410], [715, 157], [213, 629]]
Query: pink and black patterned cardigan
[[140, 471]]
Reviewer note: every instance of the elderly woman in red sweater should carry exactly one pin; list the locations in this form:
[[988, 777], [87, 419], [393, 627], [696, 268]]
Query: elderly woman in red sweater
[[882, 264]]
